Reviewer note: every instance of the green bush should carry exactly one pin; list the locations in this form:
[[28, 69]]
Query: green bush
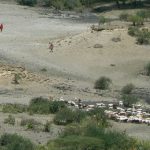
[[10, 120], [44, 106], [143, 37], [136, 20], [128, 89], [147, 69], [14, 108], [128, 100], [102, 83], [99, 117], [15, 142], [133, 31], [67, 116], [102, 20], [27, 2]]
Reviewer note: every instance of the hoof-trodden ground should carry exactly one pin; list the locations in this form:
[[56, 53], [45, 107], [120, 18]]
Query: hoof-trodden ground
[[70, 71]]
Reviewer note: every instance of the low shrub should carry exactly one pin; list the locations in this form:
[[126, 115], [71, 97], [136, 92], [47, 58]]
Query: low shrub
[[10, 120], [102, 20], [67, 116], [102, 83], [42, 105], [31, 124], [136, 20], [15, 142], [124, 16], [127, 89], [133, 31], [14, 108], [129, 100], [27, 2], [47, 126], [143, 37]]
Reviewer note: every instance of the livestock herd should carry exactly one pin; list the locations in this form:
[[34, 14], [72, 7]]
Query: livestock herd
[[115, 111]]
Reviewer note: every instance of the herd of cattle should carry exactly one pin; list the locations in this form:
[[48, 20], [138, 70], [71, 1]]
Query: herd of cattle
[[115, 111]]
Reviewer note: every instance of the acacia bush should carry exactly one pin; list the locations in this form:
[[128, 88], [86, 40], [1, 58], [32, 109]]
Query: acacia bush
[[27, 2], [102, 83]]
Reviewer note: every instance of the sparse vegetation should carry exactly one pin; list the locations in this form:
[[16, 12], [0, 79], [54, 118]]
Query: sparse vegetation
[[128, 89], [124, 16], [15, 142], [102, 83], [27, 2], [143, 37], [31, 124], [14, 108], [10, 120], [145, 14]]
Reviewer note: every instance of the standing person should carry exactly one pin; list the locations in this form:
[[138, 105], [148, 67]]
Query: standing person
[[51, 46], [1, 27]]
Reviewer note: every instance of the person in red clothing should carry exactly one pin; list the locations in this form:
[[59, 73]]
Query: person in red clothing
[[1, 27]]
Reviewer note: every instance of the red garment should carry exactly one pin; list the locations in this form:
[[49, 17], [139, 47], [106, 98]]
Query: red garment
[[1, 27]]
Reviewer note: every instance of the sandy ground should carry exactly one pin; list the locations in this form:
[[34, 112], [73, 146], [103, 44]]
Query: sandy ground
[[73, 66]]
